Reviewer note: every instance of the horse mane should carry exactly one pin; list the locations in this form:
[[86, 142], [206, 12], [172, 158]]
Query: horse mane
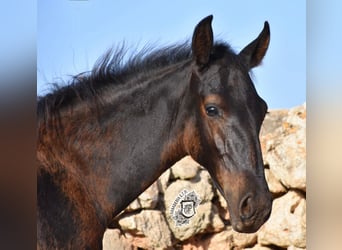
[[113, 70]]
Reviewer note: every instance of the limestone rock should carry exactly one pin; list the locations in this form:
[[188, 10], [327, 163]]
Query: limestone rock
[[244, 240], [273, 121], [148, 199], [227, 239], [184, 169], [284, 150], [163, 181], [113, 240], [287, 223], [295, 248], [216, 224], [135, 205], [271, 129], [222, 200], [259, 247], [149, 225], [222, 240], [273, 183]]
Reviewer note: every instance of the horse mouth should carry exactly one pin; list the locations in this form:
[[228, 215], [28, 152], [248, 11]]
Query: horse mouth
[[251, 224]]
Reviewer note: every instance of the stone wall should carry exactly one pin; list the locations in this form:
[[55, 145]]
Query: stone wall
[[147, 222]]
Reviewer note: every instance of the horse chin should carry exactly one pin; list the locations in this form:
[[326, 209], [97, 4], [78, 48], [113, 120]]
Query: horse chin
[[241, 228], [251, 226]]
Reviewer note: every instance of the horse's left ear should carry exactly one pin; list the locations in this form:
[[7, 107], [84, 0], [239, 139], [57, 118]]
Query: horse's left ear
[[202, 41], [254, 52]]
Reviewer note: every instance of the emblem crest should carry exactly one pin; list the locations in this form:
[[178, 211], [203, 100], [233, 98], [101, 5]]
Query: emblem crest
[[184, 207], [188, 208]]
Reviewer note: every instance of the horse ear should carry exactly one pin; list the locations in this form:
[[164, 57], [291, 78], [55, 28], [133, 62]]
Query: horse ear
[[254, 52], [202, 41]]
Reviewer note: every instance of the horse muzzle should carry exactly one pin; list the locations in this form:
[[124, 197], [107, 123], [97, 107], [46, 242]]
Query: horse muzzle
[[252, 212]]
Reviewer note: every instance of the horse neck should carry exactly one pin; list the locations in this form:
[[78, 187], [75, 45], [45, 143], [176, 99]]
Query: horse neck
[[134, 137], [149, 122]]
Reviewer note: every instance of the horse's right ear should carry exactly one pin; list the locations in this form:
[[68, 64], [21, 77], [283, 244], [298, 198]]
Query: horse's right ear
[[202, 41]]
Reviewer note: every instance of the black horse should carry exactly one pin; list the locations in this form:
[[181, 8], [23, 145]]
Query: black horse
[[108, 135]]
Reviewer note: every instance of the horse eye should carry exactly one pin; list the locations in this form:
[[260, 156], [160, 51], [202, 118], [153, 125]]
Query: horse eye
[[212, 110]]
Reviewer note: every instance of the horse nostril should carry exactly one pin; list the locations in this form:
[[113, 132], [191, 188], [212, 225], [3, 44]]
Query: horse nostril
[[246, 207]]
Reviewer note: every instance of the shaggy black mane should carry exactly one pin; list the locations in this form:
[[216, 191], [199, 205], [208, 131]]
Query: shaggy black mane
[[110, 69]]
